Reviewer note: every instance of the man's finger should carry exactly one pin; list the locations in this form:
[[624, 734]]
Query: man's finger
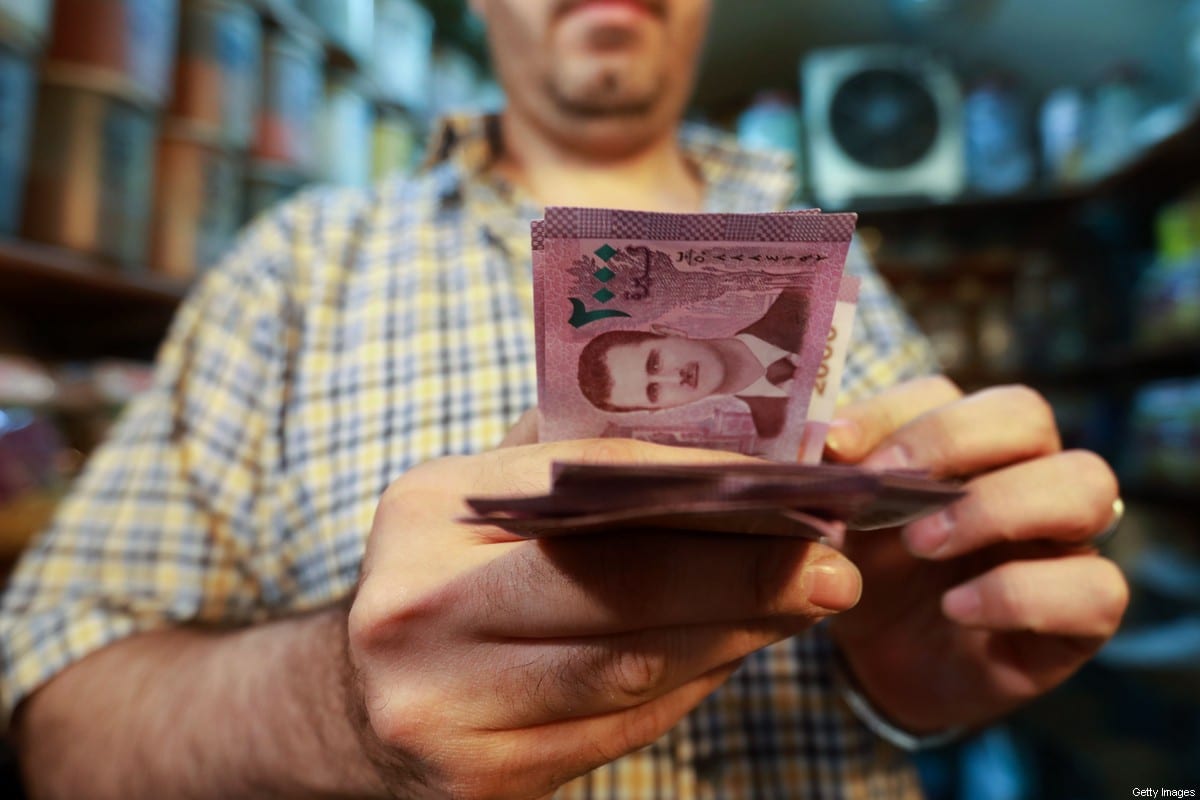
[[612, 584], [860, 427], [542, 681], [1066, 497], [525, 431], [987, 430], [1079, 595]]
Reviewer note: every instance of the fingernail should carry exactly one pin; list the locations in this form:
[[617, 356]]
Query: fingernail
[[836, 584], [928, 536], [962, 604], [895, 457], [843, 436]]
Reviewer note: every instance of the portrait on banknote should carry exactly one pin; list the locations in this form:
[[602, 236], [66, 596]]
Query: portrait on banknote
[[666, 328]]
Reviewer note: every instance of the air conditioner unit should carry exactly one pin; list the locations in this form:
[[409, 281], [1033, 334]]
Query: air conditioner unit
[[881, 121]]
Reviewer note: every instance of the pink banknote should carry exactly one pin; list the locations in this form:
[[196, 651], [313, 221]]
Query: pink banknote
[[705, 330]]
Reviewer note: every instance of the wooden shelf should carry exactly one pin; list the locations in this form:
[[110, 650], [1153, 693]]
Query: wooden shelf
[[1167, 165], [82, 307], [1127, 367], [55, 275], [1170, 496]]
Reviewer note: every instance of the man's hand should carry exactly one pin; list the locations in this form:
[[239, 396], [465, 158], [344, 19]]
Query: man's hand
[[971, 612], [489, 666]]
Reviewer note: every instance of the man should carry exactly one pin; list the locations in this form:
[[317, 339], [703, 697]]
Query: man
[[638, 371], [261, 586]]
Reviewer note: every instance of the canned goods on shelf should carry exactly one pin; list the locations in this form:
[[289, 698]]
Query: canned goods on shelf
[[347, 24], [16, 116], [395, 142], [345, 154], [403, 52], [130, 42], [268, 185], [291, 100], [23, 23], [197, 200], [219, 68], [91, 172]]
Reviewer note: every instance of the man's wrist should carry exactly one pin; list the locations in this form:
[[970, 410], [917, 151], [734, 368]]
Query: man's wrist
[[875, 721]]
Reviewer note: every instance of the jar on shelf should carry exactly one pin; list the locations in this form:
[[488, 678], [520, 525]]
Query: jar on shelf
[[16, 117], [23, 23], [1116, 110], [771, 122], [91, 171], [129, 44], [345, 131], [999, 147], [291, 101], [197, 200], [1063, 124], [395, 142], [347, 24], [403, 52], [219, 69]]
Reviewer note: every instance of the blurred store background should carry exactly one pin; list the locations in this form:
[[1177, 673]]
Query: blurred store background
[[1027, 174]]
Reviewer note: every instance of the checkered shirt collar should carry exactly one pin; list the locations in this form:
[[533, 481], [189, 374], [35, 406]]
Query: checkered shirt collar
[[736, 180]]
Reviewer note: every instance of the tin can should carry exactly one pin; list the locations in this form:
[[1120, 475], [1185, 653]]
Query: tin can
[[23, 23], [403, 52], [197, 200], [130, 42], [268, 185], [91, 172], [348, 24], [291, 101], [219, 66], [345, 154], [394, 143], [16, 114]]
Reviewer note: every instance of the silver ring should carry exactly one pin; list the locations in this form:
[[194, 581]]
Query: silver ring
[[1105, 536]]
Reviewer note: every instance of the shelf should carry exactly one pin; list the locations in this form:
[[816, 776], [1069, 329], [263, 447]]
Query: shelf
[[1167, 165], [1169, 496], [82, 307], [59, 276], [1122, 368], [1133, 365]]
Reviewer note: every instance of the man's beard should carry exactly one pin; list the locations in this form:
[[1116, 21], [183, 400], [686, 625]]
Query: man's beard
[[606, 98]]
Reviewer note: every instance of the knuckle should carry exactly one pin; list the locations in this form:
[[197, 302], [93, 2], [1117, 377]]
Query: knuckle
[[1112, 596], [600, 451], [639, 674], [942, 385], [1096, 488], [1035, 410], [1006, 595], [770, 570]]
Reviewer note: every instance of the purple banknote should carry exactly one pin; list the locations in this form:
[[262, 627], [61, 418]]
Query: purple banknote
[[705, 330]]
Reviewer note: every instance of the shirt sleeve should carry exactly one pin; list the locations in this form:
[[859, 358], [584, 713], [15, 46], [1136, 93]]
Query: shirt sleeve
[[164, 525], [886, 347]]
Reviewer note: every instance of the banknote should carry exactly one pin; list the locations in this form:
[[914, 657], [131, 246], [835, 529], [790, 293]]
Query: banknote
[[724, 331], [775, 499]]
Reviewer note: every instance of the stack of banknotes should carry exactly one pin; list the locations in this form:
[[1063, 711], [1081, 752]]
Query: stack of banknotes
[[720, 331]]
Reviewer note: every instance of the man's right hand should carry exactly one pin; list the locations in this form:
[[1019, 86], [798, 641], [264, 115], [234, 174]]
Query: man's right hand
[[490, 666]]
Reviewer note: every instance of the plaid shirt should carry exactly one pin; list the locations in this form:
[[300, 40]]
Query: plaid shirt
[[347, 338]]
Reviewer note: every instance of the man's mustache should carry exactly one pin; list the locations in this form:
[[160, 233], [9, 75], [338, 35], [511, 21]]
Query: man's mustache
[[656, 7]]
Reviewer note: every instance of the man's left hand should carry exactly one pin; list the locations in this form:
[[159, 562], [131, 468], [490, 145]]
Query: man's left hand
[[971, 612]]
